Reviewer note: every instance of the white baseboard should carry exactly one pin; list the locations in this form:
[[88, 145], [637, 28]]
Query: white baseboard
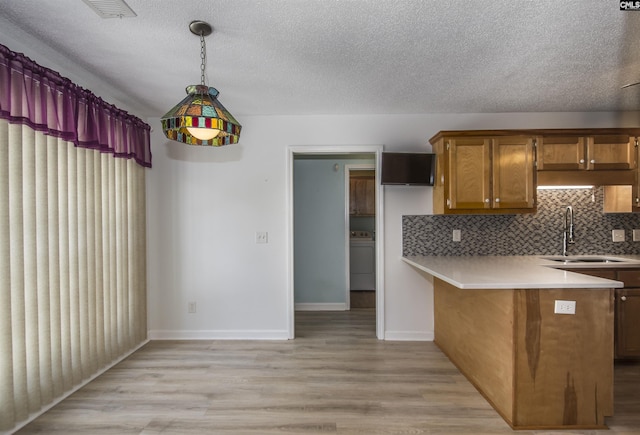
[[321, 307], [408, 336], [164, 334]]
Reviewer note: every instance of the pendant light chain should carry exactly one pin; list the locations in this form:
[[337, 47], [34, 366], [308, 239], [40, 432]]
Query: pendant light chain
[[203, 58]]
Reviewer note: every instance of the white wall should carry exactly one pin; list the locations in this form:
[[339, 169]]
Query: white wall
[[205, 205]]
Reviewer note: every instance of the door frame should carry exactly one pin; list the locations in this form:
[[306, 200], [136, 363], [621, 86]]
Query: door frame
[[346, 150], [355, 167]]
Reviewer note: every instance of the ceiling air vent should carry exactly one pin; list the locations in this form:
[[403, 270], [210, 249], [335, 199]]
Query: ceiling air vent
[[111, 8]]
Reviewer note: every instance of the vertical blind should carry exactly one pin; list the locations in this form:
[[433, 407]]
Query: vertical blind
[[72, 266]]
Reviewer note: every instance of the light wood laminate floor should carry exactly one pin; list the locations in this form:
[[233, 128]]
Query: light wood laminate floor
[[335, 377]]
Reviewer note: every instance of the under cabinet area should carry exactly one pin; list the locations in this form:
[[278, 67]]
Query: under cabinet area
[[484, 174]]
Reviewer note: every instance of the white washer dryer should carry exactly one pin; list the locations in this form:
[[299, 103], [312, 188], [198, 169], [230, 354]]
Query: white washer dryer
[[362, 261]]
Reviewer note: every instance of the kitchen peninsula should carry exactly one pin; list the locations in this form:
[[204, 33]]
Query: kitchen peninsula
[[495, 319]]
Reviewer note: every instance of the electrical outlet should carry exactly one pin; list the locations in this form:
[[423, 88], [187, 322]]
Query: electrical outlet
[[636, 235], [262, 237], [191, 307], [565, 307], [457, 235], [617, 235]]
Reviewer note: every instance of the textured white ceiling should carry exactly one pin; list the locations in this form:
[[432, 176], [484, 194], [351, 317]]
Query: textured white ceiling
[[352, 56]]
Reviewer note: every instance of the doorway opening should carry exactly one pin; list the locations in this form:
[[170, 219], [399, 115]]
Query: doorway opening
[[360, 215], [319, 234]]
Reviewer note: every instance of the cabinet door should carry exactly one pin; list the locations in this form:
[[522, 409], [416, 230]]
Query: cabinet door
[[353, 203], [441, 187], [635, 190], [561, 153], [611, 152], [628, 323], [635, 195], [362, 196], [513, 172], [469, 173], [370, 196]]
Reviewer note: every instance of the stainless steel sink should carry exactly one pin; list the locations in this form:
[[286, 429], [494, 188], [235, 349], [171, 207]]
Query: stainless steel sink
[[589, 259]]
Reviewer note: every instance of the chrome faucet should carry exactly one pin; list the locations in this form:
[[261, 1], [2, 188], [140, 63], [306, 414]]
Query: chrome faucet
[[567, 234]]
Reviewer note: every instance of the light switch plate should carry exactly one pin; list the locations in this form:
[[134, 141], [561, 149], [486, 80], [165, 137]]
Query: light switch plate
[[617, 235], [636, 235]]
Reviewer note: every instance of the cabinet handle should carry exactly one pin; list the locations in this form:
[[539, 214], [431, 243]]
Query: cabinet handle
[[487, 200], [497, 199], [592, 162], [448, 202], [623, 298], [581, 161]]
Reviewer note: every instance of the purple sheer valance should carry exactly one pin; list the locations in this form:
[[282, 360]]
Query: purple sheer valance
[[44, 100]]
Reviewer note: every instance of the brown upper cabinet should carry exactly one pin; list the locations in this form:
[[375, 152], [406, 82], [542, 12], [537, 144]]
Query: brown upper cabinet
[[362, 195], [592, 153], [484, 174]]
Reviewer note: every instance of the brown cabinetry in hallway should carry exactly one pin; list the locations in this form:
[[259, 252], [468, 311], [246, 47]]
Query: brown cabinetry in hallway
[[362, 195]]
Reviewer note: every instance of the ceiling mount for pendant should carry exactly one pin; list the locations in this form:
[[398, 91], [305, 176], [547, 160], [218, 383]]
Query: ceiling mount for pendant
[[200, 28]]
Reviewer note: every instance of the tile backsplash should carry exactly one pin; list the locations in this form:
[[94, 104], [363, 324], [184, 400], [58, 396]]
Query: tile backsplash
[[525, 234]]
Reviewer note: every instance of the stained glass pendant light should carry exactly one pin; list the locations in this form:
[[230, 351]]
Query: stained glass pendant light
[[200, 119]]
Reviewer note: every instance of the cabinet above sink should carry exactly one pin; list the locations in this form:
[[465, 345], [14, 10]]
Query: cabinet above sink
[[595, 152]]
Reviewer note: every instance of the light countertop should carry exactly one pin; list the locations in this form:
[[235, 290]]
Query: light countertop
[[516, 272]]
